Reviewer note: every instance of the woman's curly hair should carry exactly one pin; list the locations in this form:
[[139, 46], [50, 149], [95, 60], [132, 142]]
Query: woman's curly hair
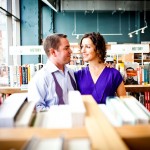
[[100, 44]]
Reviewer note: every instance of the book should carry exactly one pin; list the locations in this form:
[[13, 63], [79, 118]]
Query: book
[[10, 108], [77, 144], [136, 108], [122, 114], [77, 108], [25, 114], [57, 143], [36, 143], [131, 69], [58, 116], [111, 118]]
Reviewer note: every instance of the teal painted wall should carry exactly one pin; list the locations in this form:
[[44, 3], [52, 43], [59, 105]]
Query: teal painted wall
[[29, 27], [36, 24], [103, 22], [47, 25]]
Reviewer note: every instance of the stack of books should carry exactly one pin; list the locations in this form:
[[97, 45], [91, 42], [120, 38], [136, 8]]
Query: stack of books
[[16, 111], [125, 110]]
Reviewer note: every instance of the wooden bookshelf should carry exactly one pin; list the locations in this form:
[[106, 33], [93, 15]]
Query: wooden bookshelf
[[137, 88], [100, 132], [11, 90], [97, 129], [129, 88], [137, 137]]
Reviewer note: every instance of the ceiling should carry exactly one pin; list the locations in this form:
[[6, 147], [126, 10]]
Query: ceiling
[[104, 5]]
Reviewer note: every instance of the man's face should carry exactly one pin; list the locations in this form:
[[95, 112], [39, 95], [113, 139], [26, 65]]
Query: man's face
[[64, 52]]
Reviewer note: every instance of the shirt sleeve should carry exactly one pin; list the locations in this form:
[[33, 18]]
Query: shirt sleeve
[[37, 92]]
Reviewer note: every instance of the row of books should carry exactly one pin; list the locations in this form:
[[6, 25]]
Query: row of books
[[134, 73], [18, 75], [125, 111], [76, 59], [17, 111], [58, 143], [142, 97]]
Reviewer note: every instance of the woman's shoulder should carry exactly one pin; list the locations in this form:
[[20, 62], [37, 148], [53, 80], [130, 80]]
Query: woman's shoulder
[[83, 70]]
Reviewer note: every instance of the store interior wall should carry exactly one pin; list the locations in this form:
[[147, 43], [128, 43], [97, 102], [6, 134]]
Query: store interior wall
[[79, 23]]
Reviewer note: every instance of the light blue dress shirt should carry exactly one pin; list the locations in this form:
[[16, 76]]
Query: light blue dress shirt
[[41, 88]]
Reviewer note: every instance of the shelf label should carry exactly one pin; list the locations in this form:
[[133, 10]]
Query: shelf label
[[26, 50], [130, 48]]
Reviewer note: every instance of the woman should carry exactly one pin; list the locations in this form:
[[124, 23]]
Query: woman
[[96, 79]]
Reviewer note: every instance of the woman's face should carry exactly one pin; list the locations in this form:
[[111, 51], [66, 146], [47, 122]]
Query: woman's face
[[88, 50]]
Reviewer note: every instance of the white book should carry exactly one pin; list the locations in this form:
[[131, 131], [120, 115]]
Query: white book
[[77, 144], [10, 107], [77, 108], [58, 116], [32, 70], [24, 116], [141, 116], [120, 111], [44, 144], [143, 108], [112, 119]]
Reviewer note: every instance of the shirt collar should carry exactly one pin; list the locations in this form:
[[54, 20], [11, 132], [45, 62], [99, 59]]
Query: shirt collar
[[53, 68]]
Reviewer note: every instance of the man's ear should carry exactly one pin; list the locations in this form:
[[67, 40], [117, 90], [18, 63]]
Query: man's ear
[[52, 52]]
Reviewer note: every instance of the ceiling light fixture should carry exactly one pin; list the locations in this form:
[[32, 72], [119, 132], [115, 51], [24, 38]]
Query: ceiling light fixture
[[130, 35], [143, 28], [136, 31]]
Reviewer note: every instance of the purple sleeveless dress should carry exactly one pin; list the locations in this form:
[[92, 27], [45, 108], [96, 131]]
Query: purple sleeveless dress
[[106, 84]]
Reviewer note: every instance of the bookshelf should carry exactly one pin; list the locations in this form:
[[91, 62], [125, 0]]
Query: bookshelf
[[140, 56], [11, 90], [129, 88], [136, 137], [96, 130], [137, 88]]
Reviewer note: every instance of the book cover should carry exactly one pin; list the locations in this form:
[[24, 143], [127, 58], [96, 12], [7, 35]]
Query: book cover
[[131, 73]]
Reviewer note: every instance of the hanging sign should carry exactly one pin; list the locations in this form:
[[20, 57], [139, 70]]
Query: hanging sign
[[130, 48], [26, 50]]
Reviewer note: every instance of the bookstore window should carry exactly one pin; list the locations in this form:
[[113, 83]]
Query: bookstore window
[[9, 35], [9, 29]]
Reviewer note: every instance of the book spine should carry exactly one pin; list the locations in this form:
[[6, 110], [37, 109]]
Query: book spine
[[23, 75], [20, 75]]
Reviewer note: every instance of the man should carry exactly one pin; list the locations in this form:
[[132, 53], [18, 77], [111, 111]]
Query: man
[[51, 84]]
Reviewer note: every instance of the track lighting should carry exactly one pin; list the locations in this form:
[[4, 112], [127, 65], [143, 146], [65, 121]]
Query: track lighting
[[142, 30], [130, 35], [136, 31], [77, 37]]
